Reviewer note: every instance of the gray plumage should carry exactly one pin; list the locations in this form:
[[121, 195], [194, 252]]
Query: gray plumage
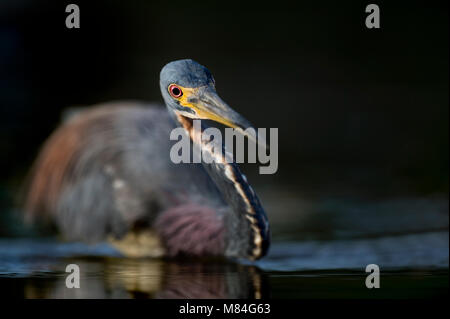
[[107, 173]]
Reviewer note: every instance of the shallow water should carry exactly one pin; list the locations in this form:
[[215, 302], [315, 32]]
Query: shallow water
[[320, 249], [412, 266]]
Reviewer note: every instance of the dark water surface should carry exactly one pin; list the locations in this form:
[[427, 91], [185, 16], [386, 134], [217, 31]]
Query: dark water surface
[[412, 266], [320, 249]]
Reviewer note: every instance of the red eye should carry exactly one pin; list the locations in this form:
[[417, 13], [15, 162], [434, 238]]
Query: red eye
[[175, 91]]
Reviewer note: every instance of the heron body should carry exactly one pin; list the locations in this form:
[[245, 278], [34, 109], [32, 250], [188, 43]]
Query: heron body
[[106, 174]]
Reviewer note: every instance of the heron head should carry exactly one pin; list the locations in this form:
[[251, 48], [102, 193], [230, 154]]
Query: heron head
[[188, 89]]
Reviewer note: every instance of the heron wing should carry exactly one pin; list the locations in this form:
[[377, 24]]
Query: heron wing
[[107, 171]]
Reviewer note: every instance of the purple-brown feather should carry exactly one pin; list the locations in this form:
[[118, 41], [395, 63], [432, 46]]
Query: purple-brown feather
[[191, 229]]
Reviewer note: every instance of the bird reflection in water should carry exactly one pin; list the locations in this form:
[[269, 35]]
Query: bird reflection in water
[[152, 278]]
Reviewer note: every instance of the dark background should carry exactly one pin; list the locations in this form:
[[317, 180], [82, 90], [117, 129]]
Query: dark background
[[360, 112]]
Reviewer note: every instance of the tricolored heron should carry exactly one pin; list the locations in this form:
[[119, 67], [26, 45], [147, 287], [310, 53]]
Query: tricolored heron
[[106, 174]]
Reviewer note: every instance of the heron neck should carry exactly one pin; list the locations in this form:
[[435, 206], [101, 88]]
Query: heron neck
[[246, 223]]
